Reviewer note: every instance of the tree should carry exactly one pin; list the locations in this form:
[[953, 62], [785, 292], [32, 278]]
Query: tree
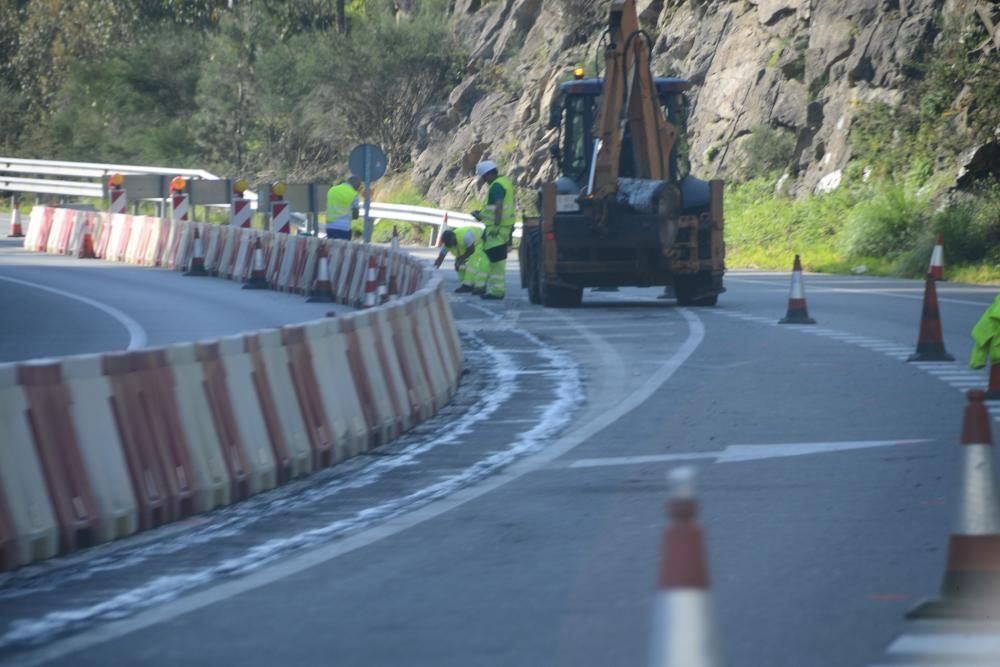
[[386, 76]]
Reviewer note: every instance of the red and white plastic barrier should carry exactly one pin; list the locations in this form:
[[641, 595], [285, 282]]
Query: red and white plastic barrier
[[97, 447]]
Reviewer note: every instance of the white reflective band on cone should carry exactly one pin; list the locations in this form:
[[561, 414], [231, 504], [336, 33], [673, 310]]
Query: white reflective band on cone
[[979, 512], [796, 291], [684, 633]]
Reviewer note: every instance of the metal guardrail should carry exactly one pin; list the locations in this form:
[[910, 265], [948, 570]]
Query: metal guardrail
[[44, 186], [91, 169], [87, 171]]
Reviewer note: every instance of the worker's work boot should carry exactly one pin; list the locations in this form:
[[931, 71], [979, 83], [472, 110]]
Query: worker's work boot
[[463, 289]]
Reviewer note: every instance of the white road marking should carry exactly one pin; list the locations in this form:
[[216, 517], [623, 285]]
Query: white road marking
[[741, 453], [292, 563], [914, 297], [136, 334], [882, 291], [951, 644], [944, 371]]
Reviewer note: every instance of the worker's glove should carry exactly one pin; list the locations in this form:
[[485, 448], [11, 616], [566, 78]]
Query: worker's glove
[[439, 260], [459, 265], [477, 215]]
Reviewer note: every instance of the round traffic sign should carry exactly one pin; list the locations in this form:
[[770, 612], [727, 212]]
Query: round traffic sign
[[367, 162]]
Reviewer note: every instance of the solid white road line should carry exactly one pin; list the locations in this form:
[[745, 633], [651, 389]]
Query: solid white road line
[[136, 334], [297, 563]]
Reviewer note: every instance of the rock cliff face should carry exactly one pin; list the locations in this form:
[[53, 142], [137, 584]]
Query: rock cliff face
[[801, 67]]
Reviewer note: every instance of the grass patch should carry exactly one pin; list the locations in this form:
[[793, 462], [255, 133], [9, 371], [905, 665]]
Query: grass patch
[[398, 190], [875, 228]]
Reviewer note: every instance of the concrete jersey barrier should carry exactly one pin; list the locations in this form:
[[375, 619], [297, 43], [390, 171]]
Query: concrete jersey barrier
[[97, 447]]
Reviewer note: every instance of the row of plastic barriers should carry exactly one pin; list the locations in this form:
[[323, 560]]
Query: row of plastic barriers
[[291, 261], [96, 447]]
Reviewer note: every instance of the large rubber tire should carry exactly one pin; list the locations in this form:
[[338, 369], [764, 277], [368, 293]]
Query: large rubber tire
[[688, 287], [559, 296], [549, 294], [533, 251]]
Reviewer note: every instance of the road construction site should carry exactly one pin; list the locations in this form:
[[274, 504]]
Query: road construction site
[[524, 523]]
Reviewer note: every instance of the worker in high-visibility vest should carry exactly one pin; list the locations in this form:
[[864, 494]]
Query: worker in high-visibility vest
[[497, 214], [465, 244], [986, 337], [342, 205]]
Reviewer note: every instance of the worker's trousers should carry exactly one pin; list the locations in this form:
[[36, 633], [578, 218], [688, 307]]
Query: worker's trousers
[[496, 272], [473, 271]]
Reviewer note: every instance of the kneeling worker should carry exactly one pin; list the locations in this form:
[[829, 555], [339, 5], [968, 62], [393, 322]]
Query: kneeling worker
[[470, 261], [498, 215]]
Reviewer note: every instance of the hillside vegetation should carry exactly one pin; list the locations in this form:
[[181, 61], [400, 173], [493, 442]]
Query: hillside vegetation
[[849, 132], [257, 88]]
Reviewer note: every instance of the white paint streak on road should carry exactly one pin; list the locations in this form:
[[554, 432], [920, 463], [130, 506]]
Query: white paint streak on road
[[966, 645], [280, 554], [742, 453], [136, 334]]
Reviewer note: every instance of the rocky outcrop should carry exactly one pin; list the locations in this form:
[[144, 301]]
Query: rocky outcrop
[[802, 67]]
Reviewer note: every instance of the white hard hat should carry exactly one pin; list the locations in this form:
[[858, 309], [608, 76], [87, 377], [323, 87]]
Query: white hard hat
[[485, 167]]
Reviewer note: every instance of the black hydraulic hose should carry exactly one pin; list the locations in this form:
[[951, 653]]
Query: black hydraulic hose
[[597, 54]]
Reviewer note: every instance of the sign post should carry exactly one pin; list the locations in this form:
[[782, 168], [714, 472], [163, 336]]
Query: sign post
[[368, 163]]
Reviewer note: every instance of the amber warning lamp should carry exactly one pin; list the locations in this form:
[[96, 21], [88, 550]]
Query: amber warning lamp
[[240, 186], [177, 184], [578, 73], [277, 190], [116, 180]]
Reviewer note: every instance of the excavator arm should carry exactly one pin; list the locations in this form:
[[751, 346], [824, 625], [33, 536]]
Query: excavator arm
[[630, 115]]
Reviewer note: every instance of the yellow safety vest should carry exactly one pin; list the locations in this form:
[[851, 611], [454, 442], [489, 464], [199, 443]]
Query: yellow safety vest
[[339, 200], [493, 235], [986, 337], [460, 246]]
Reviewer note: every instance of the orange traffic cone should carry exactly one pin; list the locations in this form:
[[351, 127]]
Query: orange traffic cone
[[444, 226], [258, 274], [197, 265], [87, 247], [684, 630], [993, 390], [797, 312], [371, 286], [971, 586], [393, 288], [937, 259], [16, 232], [930, 343], [383, 286], [322, 290]]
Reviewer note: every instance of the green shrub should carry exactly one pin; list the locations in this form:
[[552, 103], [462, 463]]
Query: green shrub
[[768, 150], [409, 233], [887, 222], [971, 227]]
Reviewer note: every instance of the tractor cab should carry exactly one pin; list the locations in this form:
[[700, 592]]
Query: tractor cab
[[575, 111]]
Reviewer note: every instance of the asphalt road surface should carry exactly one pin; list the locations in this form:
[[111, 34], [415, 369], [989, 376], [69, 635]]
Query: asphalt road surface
[[53, 306], [522, 525]]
